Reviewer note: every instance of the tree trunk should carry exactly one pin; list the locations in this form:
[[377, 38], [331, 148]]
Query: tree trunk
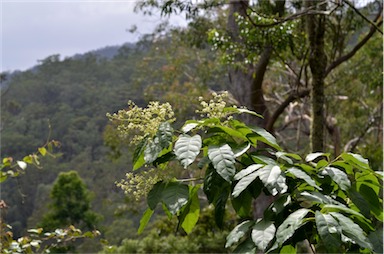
[[318, 64], [246, 85]]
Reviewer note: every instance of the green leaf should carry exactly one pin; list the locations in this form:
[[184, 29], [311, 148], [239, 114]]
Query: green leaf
[[192, 211], [144, 220], [175, 196], [223, 161], [138, 154], [155, 195], [164, 134], [220, 205], [238, 232], [242, 204], [356, 159], [246, 247], [338, 176], [189, 125], [352, 230], [373, 200], [246, 176], [265, 137], [279, 204], [290, 225], [376, 238], [3, 177], [231, 132], [241, 111], [273, 179], [320, 198], [288, 249], [329, 231], [314, 156], [152, 150], [214, 184], [302, 175], [250, 169], [241, 149], [187, 148], [42, 151], [329, 208], [262, 234], [369, 179]]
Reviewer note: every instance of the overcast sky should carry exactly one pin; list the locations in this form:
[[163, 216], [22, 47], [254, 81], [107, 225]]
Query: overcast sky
[[32, 30]]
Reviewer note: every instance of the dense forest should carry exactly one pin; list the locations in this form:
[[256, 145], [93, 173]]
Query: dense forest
[[312, 71]]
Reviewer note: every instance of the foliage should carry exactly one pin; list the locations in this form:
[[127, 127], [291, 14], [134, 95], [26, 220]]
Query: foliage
[[317, 199], [161, 237], [70, 204], [37, 240]]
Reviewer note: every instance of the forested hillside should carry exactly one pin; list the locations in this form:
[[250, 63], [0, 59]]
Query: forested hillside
[[270, 71], [65, 100]]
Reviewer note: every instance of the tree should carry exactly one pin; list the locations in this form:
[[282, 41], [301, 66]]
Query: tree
[[334, 205], [70, 204]]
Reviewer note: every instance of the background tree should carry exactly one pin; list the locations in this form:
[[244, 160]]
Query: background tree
[[70, 204]]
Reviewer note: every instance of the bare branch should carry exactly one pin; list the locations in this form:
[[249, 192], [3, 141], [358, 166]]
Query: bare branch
[[308, 11], [362, 15], [378, 21], [292, 97]]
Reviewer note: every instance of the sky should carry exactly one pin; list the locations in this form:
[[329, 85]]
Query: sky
[[33, 30]]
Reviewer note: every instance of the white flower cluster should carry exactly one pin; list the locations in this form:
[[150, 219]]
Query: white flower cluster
[[215, 107], [140, 184], [142, 122]]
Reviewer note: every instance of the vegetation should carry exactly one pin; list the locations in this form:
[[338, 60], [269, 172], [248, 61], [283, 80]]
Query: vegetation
[[332, 204], [308, 172]]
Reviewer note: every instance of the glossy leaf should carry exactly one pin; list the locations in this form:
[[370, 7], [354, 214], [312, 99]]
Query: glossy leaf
[[187, 148], [164, 134], [138, 154], [338, 176], [262, 234], [223, 161], [356, 159], [246, 176], [266, 137], [302, 175], [175, 196], [314, 156], [352, 230], [238, 232], [155, 195], [272, 178], [241, 149], [329, 231], [152, 151], [189, 125], [290, 225]]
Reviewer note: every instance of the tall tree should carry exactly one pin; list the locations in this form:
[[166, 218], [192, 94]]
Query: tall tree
[[70, 204]]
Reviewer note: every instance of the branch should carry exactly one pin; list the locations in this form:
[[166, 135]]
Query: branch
[[362, 15], [308, 11], [282, 107], [352, 144], [342, 59]]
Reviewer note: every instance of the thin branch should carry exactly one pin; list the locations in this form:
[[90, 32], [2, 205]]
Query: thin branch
[[342, 59], [292, 97], [308, 11], [363, 16]]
